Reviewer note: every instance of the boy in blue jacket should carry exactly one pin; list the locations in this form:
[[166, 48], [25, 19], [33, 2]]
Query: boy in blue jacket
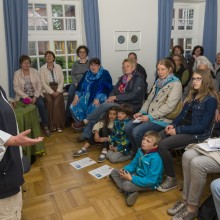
[[144, 172]]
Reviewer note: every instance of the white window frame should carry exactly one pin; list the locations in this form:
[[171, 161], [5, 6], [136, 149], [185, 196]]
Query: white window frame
[[51, 35], [197, 32]]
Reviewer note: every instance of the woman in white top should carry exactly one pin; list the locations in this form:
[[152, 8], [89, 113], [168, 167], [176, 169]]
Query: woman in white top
[[52, 80]]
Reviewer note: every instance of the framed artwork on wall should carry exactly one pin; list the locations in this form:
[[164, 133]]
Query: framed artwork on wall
[[127, 40], [134, 40], [121, 40]]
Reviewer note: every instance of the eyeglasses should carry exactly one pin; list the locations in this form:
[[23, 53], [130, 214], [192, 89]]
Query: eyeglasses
[[196, 78]]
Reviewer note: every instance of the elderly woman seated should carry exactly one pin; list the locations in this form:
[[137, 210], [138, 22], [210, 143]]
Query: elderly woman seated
[[92, 90], [28, 88]]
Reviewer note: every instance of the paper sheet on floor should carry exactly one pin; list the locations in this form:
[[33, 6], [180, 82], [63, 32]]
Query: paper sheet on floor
[[101, 172], [79, 164]]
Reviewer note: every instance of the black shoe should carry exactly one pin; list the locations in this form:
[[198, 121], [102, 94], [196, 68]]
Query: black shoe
[[68, 123]]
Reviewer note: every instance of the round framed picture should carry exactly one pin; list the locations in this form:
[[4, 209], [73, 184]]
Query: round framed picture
[[121, 39], [134, 39]]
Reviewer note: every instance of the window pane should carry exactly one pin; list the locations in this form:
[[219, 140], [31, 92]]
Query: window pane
[[30, 10], [69, 10], [40, 10], [42, 61], [70, 61], [59, 47], [61, 61], [32, 48], [70, 77], [189, 43], [189, 25], [34, 62], [180, 15], [43, 46], [57, 10], [181, 24], [41, 24], [71, 24], [180, 42], [173, 23], [30, 24], [57, 24], [71, 47], [65, 77], [171, 44]]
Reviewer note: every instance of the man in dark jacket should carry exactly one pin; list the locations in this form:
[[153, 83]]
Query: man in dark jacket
[[11, 170]]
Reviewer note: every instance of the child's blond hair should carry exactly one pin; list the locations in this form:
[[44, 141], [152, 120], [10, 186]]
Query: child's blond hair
[[155, 135]]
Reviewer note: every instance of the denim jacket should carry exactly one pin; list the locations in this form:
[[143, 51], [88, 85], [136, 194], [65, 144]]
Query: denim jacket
[[202, 117]]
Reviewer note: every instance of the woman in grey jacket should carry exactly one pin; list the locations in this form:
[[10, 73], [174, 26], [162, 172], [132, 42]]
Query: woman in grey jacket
[[164, 97]]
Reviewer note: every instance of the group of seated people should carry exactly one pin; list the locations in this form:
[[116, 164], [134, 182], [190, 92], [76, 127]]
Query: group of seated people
[[128, 127]]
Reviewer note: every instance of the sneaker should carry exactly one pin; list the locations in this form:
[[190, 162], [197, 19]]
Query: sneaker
[[59, 130], [80, 152], [132, 198], [78, 125], [47, 131], [168, 184], [102, 158], [185, 215], [177, 207]]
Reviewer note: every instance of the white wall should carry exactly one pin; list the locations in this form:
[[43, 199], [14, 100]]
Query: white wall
[[3, 65], [128, 15]]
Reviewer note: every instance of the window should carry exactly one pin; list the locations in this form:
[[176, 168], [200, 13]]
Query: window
[[183, 27], [54, 25]]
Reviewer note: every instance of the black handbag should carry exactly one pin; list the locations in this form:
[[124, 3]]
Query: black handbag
[[207, 210]]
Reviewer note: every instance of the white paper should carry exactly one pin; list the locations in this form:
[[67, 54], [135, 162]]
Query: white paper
[[137, 120], [205, 147], [79, 164], [214, 142], [101, 172]]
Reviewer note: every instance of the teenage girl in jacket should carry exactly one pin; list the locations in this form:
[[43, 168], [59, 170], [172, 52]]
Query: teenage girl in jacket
[[192, 125]]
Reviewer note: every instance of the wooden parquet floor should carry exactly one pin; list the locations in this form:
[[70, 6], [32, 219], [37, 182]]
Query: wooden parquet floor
[[57, 191]]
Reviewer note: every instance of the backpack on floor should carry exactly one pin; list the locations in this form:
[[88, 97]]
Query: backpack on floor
[[207, 210]]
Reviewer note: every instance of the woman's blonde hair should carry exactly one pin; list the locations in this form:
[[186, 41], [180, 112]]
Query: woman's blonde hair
[[206, 88], [132, 62], [167, 63]]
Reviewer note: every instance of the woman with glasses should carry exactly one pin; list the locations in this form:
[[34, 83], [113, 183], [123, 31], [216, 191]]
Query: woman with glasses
[[52, 80], [192, 125]]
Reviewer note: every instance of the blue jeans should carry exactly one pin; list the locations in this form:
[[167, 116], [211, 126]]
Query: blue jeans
[[136, 131], [71, 94], [95, 116], [42, 111], [215, 188]]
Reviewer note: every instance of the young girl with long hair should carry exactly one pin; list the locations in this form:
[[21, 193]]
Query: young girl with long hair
[[101, 131], [192, 125]]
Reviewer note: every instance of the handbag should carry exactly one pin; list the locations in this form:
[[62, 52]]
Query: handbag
[[173, 114], [207, 210]]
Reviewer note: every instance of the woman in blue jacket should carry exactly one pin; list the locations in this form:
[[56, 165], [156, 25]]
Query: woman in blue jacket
[[92, 90], [192, 125]]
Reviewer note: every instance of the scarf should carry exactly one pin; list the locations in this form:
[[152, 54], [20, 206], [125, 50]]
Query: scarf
[[124, 82], [160, 83]]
